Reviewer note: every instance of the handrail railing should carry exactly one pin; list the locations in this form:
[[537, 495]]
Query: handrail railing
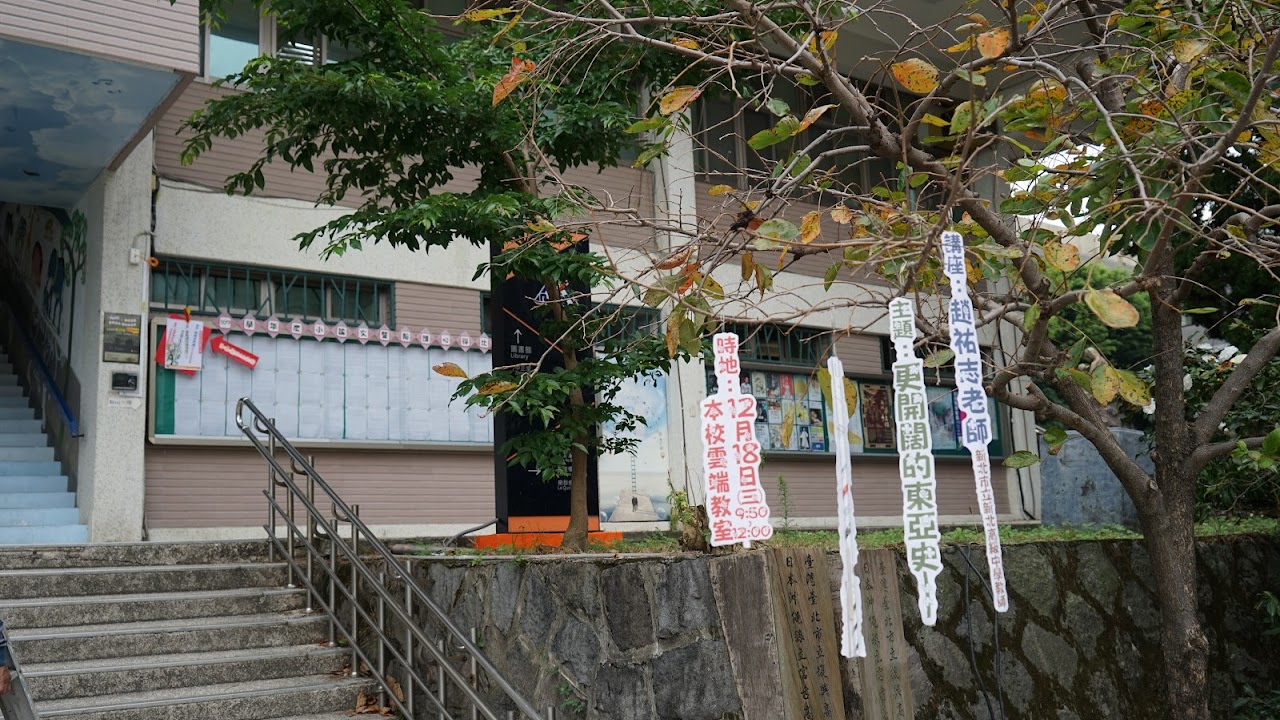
[[326, 586], [29, 345], [16, 704]]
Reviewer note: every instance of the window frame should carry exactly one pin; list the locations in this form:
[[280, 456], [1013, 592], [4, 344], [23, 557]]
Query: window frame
[[268, 44]]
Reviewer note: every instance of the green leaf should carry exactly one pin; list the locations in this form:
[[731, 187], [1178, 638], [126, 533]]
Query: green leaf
[[778, 229], [785, 128], [830, 277], [1133, 389], [1200, 311], [1105, 384], [647, 124], [1030, 317], [1271, 443], [939, 358], [1055, 438], [653, 297], [778, 107], [972, 78], [1021, 459], [961, 118]]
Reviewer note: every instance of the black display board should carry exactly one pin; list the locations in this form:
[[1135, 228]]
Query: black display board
[[524, 501]]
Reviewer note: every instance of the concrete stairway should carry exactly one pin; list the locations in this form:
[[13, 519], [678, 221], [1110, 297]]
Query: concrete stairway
[[36, 504], [169, 632]]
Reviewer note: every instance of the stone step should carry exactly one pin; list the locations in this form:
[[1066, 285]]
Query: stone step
[[79, 679], [33, 484], [43, 535], [231, 701], [38, 500], [19, 421], [137, 554], [14, 402], [119, 640], [11, 390], [33, 517], [29, 469], [7, 376], [23, 440], [97, 609], [78, 582], [26, 454]]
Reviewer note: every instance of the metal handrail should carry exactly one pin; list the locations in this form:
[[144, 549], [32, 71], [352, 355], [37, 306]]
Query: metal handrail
[[326, 584], [16, 704], [64, 408]]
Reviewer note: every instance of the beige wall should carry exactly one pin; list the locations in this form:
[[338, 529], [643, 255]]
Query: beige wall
[[147, 32], [221, 487]]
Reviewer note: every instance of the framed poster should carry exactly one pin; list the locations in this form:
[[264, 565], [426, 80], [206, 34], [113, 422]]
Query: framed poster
[[944, 418], [877, 417]]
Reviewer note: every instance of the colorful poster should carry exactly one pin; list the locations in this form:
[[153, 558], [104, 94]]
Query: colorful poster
[[971, 399], [915, 459], [758, 385], [184, 345], [944, 418], [736, 504], [633, 485], [877, 420], [852, 643]]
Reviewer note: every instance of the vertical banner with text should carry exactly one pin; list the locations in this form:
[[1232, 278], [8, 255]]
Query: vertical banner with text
[[736, 505], [975, 419], [915, 459]]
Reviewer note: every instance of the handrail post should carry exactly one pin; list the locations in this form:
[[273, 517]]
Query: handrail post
[[475, 675], [441, 695], [408, 633], [271, 489], [355, 591], [332, 531], [311, 534], [382, 644]]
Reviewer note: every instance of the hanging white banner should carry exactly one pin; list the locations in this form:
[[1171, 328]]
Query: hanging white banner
[[975, 419], [915, 459], [736, 505], [852, 642]]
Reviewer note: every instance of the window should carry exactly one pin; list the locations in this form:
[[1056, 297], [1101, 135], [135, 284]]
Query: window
[[214, 288], [723, 127], [243, 33]]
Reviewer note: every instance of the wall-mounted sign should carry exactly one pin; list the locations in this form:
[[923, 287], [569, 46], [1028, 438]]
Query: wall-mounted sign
[[975, 418], [121, 338]]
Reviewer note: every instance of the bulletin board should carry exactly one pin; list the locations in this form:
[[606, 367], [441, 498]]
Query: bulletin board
[[322, 390]]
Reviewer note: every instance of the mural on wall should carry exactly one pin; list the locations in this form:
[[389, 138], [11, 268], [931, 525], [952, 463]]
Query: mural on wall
[[634, 486], [42, 256]]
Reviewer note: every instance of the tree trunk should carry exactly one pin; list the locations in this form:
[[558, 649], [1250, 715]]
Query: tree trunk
[[1170, 541], [575, 535]]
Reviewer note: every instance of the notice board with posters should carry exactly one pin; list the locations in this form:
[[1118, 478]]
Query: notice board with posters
[[322, 390]]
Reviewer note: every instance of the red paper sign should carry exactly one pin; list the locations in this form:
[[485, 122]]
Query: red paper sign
[[239, 354]]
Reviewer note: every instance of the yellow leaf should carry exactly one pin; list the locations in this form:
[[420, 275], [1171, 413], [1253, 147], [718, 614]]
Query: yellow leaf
[[1062, 255], [810, 227], [541, 225], [519, 70], [828, 41], [1113, 310], [673, 333], [1133, 389], [675, 259], [449, 370], [978, 18], [712, 287], [812, 116], [1104, 384], [782, 259], [841, 215], [678, 99], [479, 15], [1187, 50], [718, 190], [497, 386], [751, 204], [748, 265], [916, 75], [934, 120], [962, 46], [685, 43], [851, 399], [992, 43]]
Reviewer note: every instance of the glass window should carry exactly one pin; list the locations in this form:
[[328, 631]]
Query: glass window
[[174, 288], [233, 294], [354, 302], [233, 39], [300, 300], [297, 47]]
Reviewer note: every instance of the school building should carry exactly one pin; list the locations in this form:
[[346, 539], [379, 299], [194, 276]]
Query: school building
[[106, 237]]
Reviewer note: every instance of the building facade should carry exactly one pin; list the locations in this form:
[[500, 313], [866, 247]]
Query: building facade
[[106, 235]]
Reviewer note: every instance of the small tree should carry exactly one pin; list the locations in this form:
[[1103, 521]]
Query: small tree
[[392, 125], [1139, 123]]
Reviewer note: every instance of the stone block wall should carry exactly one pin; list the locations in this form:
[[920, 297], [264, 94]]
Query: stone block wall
[[634, 638]]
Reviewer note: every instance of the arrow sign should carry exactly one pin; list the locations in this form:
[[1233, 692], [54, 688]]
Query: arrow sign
[[517, 333], [219, 345]]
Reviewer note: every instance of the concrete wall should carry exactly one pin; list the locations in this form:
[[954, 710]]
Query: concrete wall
[[642, 638], [110, 473]]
